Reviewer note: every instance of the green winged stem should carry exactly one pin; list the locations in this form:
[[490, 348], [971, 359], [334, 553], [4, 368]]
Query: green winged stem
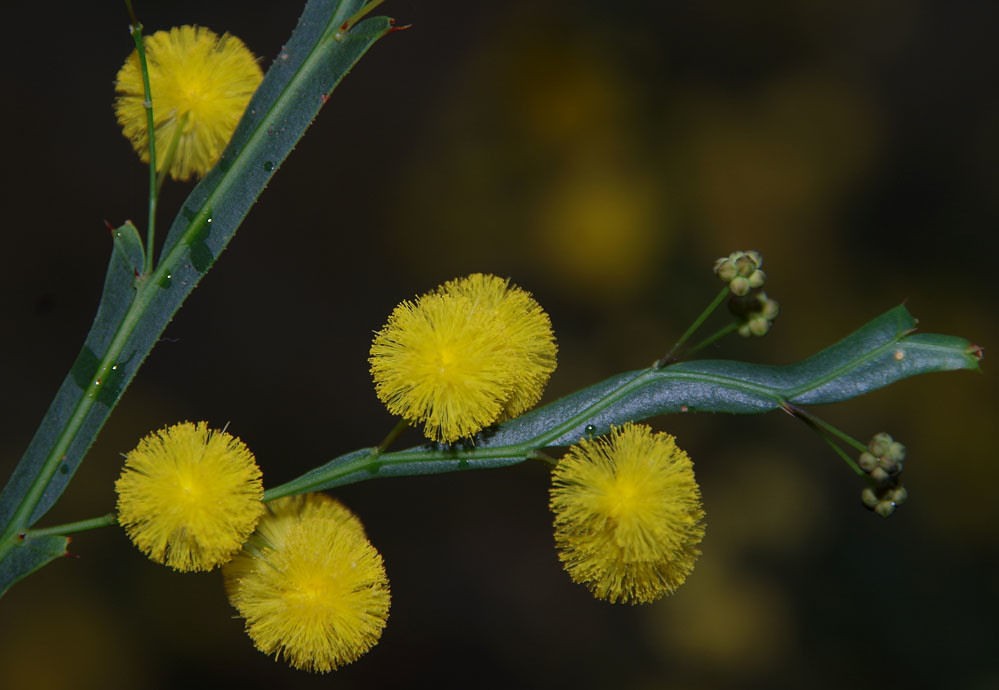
[[882, 352], [31, 554], [136, 306]]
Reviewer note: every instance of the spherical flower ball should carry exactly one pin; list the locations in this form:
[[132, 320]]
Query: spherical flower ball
[[473, 352], [189, 496], [200, 84], [310, 585], [628, 514]]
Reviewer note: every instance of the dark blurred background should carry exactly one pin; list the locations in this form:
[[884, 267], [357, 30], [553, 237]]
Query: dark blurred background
[[602, 155]]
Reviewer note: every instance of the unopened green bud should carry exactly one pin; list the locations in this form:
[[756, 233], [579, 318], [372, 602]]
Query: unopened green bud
[[745, 265], [888, 465], [869, 497], [741, 265], [771, 309], [725, 268], [879, 475], [896, 452], [744, 331], [884, 499], [867, 461], [884, 508], [758, 325], [898, 495], [739, 286], [880, 444]]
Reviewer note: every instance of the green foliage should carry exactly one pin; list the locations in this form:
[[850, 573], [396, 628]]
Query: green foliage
[[880, 353], [30, 555], [135, 309]]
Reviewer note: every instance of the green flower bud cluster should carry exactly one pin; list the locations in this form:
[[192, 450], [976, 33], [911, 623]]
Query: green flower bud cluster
[[882, 462], [742, 271], [755, 311]]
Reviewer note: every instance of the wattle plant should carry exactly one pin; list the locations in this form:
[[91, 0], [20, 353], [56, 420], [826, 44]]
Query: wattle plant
[[467, 363]]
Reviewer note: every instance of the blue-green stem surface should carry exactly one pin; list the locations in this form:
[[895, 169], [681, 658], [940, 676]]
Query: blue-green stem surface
[[882, 352]]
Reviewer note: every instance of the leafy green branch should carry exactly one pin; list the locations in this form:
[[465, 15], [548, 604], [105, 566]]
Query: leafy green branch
[[136, 305], [140, 298], [880, 353]]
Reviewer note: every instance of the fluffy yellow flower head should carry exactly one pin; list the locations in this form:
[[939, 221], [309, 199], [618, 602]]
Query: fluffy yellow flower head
[[474, 352], [310, 585], [188, 497], [200, 83], [628, 514]]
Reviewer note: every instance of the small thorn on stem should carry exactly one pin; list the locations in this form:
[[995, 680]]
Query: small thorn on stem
[[356, 17]]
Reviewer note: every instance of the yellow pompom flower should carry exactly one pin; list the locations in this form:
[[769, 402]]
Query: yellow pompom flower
[[200, 84], [188, 496], [475, 351], [310, 585], [628, 514]]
